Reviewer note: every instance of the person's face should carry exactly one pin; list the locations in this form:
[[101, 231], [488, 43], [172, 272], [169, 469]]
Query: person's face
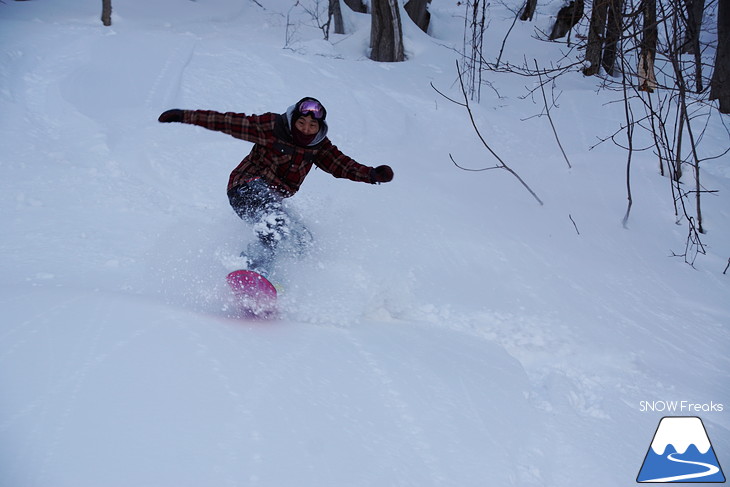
[[307, 125]]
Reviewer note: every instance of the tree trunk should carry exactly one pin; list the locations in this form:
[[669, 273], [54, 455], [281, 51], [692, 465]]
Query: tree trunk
[[650, 34], [566, 19], [386, 34], [335, 12], [106, 12], [356, 6], [596, 37], [614, 29], [720, 84], [695, 9], [529, 10], [418, 12]]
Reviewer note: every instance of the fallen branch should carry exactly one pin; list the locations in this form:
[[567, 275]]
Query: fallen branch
[[576, 226]]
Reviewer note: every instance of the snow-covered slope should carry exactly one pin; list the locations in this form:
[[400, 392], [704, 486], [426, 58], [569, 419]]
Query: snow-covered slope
[[446, 330]]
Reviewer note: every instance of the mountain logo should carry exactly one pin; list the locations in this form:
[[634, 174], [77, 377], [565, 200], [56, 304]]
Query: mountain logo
[[680, 452]]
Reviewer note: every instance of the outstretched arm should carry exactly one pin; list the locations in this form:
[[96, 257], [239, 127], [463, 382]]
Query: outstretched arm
[[253, 128], [332, 160]]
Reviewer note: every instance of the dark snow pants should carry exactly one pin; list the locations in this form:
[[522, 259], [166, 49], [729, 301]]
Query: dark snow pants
[[275, 228]]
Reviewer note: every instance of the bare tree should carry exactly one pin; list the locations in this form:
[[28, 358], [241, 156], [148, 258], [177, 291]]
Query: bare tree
[[675, 116], [720, 84], [695, 9], [320, 11], [614, 31], [321, 14], [647, 47], [649, 41], [386, 32], [603, 36], [475, 25], [106, 12], [596, 37]]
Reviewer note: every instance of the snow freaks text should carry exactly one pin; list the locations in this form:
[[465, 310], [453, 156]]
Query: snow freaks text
[[680, 407]]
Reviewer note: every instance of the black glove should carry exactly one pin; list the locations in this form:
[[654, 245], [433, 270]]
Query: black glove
[[174, 115], [381, 174]]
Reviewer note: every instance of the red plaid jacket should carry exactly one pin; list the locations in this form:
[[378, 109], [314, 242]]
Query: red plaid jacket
[[274, 157]]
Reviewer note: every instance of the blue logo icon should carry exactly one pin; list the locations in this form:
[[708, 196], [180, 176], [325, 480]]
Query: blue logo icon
[[680, 452]]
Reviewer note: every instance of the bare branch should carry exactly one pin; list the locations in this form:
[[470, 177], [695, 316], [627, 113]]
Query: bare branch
[[447, 97], [628, 112], [504, 41], [472, 170], [501, 164], [547, 111]]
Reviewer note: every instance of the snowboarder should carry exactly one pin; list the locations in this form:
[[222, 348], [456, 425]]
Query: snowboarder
[[285, 147]]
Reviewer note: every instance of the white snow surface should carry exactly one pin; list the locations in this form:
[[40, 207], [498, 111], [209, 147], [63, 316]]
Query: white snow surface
[[446, 330]]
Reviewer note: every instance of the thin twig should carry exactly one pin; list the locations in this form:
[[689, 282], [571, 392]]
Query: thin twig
[[472, 170], [630, 148], [547, 111], [576, 226], [501, 164], [504, 41]]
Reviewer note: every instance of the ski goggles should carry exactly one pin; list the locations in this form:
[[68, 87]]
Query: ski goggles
[[313, 108]]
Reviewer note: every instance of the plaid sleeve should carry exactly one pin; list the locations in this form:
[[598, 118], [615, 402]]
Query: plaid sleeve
[[258, 129], [332, 160]]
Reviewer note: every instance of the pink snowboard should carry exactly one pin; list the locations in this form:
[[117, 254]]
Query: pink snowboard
[[255, 296]]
